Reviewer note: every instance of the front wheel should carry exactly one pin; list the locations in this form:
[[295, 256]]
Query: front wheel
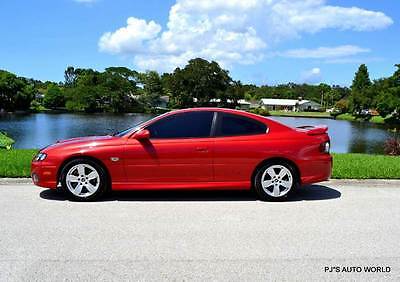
[[275, 181], [83, 180]]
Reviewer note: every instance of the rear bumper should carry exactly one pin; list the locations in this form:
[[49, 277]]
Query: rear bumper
[[316, 169], [44, 175]]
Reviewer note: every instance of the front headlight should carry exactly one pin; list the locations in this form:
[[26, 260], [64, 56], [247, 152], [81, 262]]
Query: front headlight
[[40, 157]]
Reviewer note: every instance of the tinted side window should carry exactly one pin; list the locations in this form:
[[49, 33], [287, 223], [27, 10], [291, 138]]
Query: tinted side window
[[233, 125], [185, 125]]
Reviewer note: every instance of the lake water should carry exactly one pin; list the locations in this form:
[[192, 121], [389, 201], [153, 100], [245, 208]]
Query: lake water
[[39, 130]]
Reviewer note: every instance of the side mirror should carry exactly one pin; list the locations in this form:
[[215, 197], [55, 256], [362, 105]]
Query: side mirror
[[142, 134]]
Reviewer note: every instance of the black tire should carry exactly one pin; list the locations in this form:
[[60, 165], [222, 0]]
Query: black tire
[[261, 192], [102, 186]]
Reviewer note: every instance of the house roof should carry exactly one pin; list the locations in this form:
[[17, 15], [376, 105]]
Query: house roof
[[283, 102]]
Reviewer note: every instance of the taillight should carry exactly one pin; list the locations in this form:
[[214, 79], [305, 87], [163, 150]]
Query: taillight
[[325, 147]]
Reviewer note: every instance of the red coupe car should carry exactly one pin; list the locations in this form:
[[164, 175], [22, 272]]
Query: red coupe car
[[201, 148]]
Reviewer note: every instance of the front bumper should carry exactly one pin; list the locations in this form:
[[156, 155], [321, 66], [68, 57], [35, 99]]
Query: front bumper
[[44, 174]]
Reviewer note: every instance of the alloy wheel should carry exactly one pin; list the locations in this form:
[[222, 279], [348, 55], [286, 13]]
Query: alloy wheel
[[82, 180], [277, 180]]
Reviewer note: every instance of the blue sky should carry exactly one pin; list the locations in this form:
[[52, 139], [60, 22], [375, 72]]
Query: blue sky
[[259, 41]]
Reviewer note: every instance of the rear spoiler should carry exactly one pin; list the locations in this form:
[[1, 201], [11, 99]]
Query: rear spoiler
[[314, 130]]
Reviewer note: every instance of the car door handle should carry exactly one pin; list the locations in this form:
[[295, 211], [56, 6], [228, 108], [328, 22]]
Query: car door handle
[[201, 149]]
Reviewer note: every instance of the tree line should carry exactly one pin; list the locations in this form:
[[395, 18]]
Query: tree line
[[199, 83], [381, 94]]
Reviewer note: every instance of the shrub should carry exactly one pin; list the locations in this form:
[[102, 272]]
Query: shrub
[[36, 107], [392, 146], [260, 111], [5, 141]]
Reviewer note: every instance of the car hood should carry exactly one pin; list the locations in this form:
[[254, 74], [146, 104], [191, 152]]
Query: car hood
[[91, 141]]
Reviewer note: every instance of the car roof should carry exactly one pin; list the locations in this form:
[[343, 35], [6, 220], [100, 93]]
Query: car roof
[[262, 119], [207, 109], [215, 109]]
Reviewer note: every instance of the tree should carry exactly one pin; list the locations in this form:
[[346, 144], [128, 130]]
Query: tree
[[130, 75], [177, 86], [324, 90], [54, 97], [199, 79], [231, 96], [94, 91], [396, 76], [86, 95], [16, 93], [360, 90], [117, 91], [388, 100], [70, 76], [152, 90]]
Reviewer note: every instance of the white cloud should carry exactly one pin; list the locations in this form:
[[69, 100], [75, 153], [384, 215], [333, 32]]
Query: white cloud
[[313, 75], [324, 52], [231, 32], [130, 38]]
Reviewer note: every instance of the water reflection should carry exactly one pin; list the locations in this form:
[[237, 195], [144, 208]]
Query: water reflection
[[39, 130]]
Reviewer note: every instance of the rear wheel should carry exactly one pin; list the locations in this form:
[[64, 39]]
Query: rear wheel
[[275, 181], [83, 180]]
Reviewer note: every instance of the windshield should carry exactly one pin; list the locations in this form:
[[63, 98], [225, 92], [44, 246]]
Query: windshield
[[136, 126], [130, 129]]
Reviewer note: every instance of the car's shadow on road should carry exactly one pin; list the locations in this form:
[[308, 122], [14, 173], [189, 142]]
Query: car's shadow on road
[[307, 193]]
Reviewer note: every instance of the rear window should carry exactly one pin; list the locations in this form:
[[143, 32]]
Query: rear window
[[234, 125]]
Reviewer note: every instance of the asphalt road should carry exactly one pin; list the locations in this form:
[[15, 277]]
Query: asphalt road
[[201, 235]]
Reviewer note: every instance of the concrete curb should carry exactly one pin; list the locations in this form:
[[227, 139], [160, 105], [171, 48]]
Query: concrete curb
[[354, 182], [11, 181], [376, 183]]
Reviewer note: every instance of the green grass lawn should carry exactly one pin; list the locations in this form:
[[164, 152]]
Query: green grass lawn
[[16, 163], [362, 166], [349, 117], [301, 114], [377, 119], [345, 116]]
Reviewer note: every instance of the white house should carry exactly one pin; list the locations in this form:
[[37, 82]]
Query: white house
[[243, 104], [289, 105]]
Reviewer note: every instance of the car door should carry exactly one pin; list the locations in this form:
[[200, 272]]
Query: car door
[[179, 150], [238, 147]]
